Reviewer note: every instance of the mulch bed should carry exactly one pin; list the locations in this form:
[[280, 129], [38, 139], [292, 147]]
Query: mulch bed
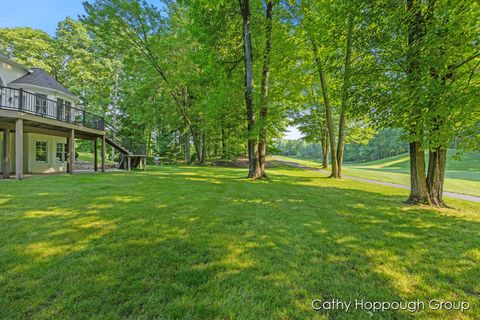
[[241, 163]]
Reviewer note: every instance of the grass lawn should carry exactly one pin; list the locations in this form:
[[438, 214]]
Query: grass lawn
[[205, 243], [88, 157], [462, 176]]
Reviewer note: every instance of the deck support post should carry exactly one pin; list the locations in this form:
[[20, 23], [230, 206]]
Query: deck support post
[[103, 153], [95, 155], [6, 153], [129, 162], [19, 149], [71, 151]]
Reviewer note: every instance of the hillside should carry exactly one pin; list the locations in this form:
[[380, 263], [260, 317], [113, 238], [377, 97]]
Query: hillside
[[462, 176]]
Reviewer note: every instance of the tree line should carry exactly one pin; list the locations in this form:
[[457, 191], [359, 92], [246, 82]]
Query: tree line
[[385, 143]]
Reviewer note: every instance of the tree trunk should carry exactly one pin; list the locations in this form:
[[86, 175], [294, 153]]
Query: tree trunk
[[224, 143], [254, 163], [262, 143], [325, 148], [187, 147], [418, 180], [215, 148], [204, 149], [436, 175], [345, 96], [149, 144], [197, 143], [328, 112]]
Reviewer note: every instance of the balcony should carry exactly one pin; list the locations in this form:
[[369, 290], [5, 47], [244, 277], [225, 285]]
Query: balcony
[[40, 105]]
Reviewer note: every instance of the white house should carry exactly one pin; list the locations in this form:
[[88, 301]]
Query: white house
[[40, 120]]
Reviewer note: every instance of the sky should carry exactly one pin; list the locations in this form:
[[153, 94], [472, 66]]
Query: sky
[[292, 133], [45, 15], [38, 14]]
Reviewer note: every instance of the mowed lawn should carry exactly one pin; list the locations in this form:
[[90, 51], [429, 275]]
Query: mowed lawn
[[462, 175], [206, 243]]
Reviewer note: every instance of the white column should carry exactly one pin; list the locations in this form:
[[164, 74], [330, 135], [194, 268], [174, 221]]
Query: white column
[[19, 149]]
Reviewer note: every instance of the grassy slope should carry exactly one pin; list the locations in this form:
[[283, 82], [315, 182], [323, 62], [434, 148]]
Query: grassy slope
[[204, 243], [462, 176], [88, 157]]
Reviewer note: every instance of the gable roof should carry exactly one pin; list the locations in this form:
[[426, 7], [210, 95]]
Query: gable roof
[[40, 78]]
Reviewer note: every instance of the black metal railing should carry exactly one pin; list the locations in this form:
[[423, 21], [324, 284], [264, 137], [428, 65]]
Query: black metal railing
[[131, 145], [40, 105]]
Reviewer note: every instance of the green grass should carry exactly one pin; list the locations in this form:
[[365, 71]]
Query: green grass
[[88, 157], [206, 243], [462, 176]]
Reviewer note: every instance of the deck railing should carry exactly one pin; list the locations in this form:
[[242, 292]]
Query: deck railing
[[40, 105], [135, 147]]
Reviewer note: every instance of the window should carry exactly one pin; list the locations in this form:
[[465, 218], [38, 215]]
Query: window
[[61, 154], [41, 103], [41, 151], [68, 110], [60, 109], [1, 92]]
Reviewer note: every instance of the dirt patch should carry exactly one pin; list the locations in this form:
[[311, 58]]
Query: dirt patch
[[84, 165], [242, 163]]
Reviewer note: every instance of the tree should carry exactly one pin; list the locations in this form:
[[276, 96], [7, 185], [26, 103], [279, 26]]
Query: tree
[[262, 145], [430, 66]]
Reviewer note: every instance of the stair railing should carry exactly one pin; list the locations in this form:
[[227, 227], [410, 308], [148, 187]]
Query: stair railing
[[115, 134]]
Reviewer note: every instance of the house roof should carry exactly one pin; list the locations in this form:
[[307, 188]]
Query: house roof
[[40, 78]]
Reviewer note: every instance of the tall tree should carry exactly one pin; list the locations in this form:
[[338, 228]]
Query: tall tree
[[254, 170], [262, 144]]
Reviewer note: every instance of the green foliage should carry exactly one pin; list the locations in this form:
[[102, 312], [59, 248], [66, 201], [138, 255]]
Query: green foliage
[[33, 48], [174, 72], [360, 148], [71, 56]]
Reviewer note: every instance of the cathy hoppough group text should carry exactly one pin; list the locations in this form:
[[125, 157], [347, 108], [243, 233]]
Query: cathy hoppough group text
[[412, 306]]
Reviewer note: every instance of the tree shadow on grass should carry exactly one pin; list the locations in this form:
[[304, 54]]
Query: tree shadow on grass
[[193, 246]]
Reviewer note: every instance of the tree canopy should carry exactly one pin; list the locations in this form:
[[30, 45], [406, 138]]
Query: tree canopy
[[199, 81]]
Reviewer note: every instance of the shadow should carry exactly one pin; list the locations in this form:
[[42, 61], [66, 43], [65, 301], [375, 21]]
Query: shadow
[[201, 243]]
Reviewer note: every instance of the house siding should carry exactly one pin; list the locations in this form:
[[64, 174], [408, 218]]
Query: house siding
[[52, 165], [30, 165], [11, 157], [9, 72]]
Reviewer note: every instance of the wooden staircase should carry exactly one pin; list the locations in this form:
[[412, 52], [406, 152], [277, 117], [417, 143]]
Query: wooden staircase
[[127, 156], [116, 145], [135, 161]]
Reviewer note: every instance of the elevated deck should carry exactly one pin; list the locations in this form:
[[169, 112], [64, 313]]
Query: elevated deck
[[25, 112]]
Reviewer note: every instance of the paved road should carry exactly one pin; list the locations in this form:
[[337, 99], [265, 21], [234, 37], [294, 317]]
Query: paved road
[[388, 184]]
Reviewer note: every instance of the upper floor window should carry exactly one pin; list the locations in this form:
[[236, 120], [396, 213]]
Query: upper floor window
[[60, 109], [2, 103], [68, 111], [41, 103], [64, 109]]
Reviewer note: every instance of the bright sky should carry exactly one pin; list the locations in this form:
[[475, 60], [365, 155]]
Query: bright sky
[[40, 14], [292, 133], [45, 15]]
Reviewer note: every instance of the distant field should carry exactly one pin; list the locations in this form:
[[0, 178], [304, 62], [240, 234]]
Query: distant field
[[463, 176]]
